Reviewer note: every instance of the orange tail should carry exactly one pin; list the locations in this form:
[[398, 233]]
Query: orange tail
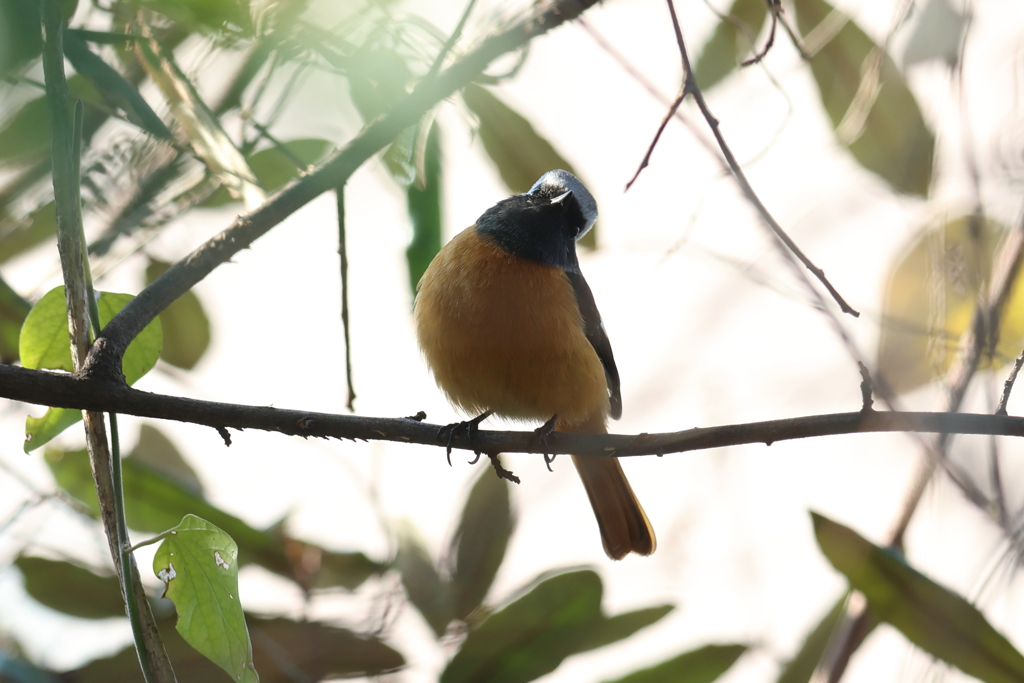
[[624, 525]]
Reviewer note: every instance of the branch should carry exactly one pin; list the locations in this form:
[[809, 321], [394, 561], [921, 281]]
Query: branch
[[105, 358], [68, 391]]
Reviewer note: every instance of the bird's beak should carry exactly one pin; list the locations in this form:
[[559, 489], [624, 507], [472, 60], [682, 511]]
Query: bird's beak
[[559, 198]]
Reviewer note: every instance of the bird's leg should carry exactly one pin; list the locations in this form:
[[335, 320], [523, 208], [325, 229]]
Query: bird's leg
[[540, 438], [469, 428]]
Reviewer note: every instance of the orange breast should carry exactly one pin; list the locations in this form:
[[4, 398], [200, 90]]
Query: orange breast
[[505, 334]]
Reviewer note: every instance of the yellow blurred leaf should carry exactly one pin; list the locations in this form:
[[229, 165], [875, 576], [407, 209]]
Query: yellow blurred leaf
[[930, 300]]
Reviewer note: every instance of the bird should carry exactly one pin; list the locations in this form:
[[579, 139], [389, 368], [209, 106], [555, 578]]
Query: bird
[[508, 326]]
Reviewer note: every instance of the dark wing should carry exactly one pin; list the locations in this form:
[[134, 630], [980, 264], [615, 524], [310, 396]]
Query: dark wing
[[594, 329]]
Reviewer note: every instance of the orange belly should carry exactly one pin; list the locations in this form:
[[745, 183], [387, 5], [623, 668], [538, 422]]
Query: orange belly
[[505, 334]]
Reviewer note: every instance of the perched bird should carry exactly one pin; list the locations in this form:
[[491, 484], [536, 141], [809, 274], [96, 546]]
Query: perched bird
[[509, 327]]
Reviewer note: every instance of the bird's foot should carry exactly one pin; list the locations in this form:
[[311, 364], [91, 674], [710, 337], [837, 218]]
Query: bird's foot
[[540, 438], [468, 428]]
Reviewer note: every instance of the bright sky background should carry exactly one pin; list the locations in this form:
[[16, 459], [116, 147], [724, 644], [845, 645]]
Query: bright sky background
[[708, 324]]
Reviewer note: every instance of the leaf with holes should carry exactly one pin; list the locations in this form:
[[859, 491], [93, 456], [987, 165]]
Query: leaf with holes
[[198, 564]]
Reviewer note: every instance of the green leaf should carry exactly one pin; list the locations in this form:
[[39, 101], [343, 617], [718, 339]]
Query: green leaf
[[531, 636], [115, 88], [873, 111], [930, 299], [13, 310], [732, 41], [427, 590], [479, 544], [934, 618], [45, 344], [155, 501], [274, 166], [613, 629], [185, 324], [801, 667], [285, 651], [156, 453], [25, 136], [377, 78], [424, 202], [71, 589], [702, 665], [519, 152], [199, 565], [20, 235], [20, 37]]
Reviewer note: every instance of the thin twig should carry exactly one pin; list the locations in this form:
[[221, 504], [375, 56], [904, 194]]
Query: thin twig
[[657, 136], [692, 88], [452, 39], [339, 195], [1008, 385], [774, 8]]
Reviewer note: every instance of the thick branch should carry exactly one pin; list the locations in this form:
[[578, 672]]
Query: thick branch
[[105, 358], [67, 391]]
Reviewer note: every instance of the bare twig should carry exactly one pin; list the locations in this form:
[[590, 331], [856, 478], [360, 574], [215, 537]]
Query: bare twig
[[748, 191], [1008, 385], [339, 194], [68, 391], [774, 8], [657, 136]]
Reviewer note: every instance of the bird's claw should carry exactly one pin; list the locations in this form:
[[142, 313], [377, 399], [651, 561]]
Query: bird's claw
[[468, 428]]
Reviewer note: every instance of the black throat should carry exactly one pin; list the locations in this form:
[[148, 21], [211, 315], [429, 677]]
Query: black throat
[[534, 228]]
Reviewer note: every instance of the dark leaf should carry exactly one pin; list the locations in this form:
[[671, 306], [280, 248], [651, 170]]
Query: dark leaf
[[18, 236], [13, 310], [185, 324], [156, 453], [116, 90], [873, 111], [934, 618], [613, 629], [480, 542], [427, 590], [703, 665], [531, 636], [733, 40], [284, 651], [520, 153], [71, 589], [20, 37], [801, 667], [424, 202]]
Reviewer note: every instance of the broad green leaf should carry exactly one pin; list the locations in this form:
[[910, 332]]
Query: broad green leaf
[[424, 202], [274, 167], [13, 310], [45, 344], [200, 125], [874, 113], [733, 40], [223, 17], [519, 152], [115, 88], [157, 453], [801, 667], [934, 618], [930, 300], [427, 590], [19, 235], [285, 651], [154, 502], [613, 629], [479, 544], [531, 636], [199, 565], [185, 324], [702, 665], [71, 589]]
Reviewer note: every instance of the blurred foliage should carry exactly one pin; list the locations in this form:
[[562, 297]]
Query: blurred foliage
[[185, 324], [733, 41], [930, 299], [931, 616]]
